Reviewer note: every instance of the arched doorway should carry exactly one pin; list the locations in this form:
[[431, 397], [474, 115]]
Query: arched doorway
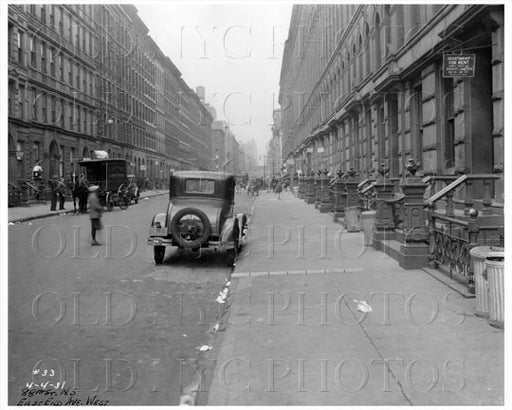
[[85, 153], [54, 167]]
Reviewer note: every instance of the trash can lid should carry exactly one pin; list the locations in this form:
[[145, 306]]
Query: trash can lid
[[483, 251], [496, 256]]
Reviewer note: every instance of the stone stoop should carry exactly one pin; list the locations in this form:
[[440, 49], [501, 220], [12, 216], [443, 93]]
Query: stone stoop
[[408, 255]]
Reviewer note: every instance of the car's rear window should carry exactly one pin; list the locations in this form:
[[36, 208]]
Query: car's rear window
[[199, 186]]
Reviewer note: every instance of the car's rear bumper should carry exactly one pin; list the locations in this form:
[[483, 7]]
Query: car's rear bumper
[[160, 241]]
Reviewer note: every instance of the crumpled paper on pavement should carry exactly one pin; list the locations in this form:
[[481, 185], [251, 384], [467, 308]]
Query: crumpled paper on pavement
[[363, 306]]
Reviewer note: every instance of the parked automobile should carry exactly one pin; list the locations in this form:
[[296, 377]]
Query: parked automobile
[[200, 215]]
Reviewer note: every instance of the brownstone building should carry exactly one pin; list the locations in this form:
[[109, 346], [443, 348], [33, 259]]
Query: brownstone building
[[363, 85], [88, 77]]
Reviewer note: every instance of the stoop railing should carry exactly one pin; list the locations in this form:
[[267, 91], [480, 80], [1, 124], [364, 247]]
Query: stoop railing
[[451, 238]]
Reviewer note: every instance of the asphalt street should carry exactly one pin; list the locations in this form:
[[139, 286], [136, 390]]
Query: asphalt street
[[107, 320]]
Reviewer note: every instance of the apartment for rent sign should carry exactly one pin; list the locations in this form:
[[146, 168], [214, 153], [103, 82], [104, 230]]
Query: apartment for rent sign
[[458, 65]]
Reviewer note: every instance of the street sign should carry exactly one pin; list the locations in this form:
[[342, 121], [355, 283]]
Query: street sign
[[142, 167], [290, 161], [458, 65], [320, 150]]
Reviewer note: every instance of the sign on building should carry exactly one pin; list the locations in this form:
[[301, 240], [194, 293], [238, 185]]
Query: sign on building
[[458, 65]]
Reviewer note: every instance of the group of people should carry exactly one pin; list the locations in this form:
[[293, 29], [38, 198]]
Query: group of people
[[79, 189], [82, 193]]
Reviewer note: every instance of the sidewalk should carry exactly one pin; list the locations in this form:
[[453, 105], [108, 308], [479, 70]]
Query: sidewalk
[[37, 211], [296, 333]]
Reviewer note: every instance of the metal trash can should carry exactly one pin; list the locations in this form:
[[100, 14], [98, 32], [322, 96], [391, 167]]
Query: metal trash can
[[478, 255], [495, 265], [368, 225]]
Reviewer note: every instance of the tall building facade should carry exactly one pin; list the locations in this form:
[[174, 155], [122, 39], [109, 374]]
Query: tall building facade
[[88, 77], [363, 85], [274, 157]]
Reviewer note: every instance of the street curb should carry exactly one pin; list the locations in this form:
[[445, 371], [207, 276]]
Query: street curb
[[58, 213], [235, 275]]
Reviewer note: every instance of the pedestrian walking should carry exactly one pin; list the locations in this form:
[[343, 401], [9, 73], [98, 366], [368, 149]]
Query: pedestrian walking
[[54, 182], [61, 194], [278, 189], [95, 211], [83, 192], [73, 188]]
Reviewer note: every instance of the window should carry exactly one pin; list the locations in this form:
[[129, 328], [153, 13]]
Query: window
[[70, 72], [199, 186], [71, 117], [79, 120], [60, 118], [449, 146], [10, 41], [43, 13], [44, 117], [77, 83], [77, 36], [21, 38], [32, 52], [377, 51], [418, 121], [60, 62], [21, 101], [36, 153], [33, 102], [61, 21], [11, 98], [52, 62], [70, 29], [52, 16], [43, 57], [54, 108]]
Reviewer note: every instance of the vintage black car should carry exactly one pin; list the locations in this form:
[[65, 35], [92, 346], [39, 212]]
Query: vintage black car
[[199, 215]]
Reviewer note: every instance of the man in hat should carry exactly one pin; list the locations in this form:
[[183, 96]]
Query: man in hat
[[54, 183], [83, 191], [95, 211], [61, 193]]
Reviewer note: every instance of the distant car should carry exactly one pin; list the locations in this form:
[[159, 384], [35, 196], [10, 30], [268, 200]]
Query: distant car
[[200, 215]]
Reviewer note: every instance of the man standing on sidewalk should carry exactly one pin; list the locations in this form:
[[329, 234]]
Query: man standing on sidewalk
[[83, 191], [95, 211], [54, 182], [61, 192]]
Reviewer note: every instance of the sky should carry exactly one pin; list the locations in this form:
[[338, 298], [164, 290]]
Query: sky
[[234, 51]]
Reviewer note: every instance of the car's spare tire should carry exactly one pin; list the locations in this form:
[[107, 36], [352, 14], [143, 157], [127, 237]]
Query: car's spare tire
[[190, 228]]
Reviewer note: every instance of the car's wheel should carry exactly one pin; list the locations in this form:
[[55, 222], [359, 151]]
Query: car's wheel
[[190, 228], [243, 231], [159, 253], [236, 235]]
